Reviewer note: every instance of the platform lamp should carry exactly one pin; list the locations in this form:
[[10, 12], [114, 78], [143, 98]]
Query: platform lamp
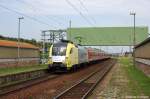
[[134, 39], [18, 54]]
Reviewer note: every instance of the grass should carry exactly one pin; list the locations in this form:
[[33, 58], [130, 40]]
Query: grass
[[137, 78], [14, 70]]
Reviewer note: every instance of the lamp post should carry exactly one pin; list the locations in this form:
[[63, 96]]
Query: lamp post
[[134, 39], [18, 52]]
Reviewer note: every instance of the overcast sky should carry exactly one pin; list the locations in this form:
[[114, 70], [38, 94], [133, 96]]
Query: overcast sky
[[55, 14]]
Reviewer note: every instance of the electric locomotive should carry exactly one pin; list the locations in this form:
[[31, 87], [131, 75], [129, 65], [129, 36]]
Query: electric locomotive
[[63, 56]]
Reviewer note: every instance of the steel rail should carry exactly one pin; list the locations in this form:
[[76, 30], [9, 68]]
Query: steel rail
[[97, 82], [84, 79]]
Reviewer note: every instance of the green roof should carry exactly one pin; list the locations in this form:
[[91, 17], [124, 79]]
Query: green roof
[[111, 36]]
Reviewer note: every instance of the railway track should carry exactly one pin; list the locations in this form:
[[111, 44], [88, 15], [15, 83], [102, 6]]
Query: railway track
[[85, 86], [15, 87], [12, 90]]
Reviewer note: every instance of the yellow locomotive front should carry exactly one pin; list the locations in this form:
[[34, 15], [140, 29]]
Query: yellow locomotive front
[[62, 56]]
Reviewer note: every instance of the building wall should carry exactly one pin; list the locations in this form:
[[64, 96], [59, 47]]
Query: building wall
[[144, 67], [8, 52], [143, 51], [28, 57], [142, 54]]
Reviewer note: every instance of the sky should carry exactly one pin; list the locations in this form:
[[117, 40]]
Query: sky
[[55, 14]]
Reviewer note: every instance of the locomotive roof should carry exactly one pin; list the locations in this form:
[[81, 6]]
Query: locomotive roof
[[67, 41], [60, 44]]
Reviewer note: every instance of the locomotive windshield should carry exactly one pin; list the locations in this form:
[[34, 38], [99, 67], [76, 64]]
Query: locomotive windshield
[[59, 49]]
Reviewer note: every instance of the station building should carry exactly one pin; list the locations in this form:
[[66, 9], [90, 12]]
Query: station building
[[28, 54], [142, 54]]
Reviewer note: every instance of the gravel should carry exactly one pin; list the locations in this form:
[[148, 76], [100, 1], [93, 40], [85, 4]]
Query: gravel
[[51, 88]]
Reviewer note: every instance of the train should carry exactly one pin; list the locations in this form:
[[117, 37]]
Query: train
[[66, 56]]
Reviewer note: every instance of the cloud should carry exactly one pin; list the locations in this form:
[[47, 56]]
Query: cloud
[[105, 12], [95, 7], [99, 9]]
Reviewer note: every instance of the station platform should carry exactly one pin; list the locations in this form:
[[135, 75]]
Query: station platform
[[124, 81], [15, 70], [144, 61]]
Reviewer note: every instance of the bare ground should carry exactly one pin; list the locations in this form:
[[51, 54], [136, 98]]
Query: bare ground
[[117, 85]]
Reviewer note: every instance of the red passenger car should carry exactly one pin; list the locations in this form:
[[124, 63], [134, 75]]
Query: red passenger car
[[93, 54], [96, 54]]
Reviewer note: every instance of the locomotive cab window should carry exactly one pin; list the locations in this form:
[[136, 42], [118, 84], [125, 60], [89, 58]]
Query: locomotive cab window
[[59, 49]]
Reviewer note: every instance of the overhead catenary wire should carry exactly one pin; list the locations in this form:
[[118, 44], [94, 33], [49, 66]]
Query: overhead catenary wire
[[84, 7], [54, 19], [80, 13], [26, 3], [29, 17]]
